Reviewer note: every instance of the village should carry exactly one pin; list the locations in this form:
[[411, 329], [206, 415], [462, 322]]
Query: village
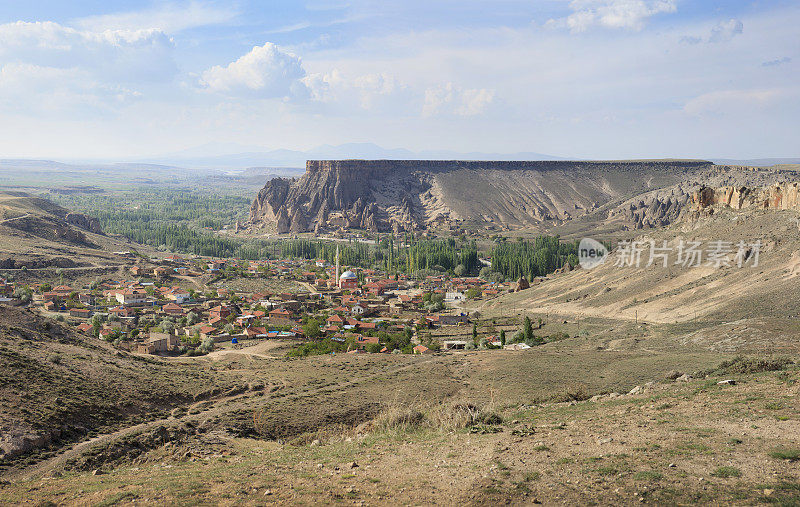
[[179, 305]]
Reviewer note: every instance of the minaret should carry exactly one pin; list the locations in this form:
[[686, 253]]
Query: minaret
[[337, 266]]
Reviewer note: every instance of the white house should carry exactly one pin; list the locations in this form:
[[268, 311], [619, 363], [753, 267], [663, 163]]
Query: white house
[[452, 297], [131, 297]]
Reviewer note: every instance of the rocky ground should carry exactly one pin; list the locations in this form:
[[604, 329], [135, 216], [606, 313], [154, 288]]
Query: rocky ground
[[726, 438]]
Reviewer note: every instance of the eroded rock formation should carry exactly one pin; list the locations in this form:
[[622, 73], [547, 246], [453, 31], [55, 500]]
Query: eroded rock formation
[[406, 195], [86, 223]]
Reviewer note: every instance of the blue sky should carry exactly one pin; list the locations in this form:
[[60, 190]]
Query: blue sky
[[573, 78]]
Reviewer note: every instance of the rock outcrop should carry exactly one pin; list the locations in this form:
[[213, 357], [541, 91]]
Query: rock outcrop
[[86, 223], [407, 195], [779, 196]]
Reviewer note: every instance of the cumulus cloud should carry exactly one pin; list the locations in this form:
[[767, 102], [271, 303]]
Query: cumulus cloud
[[451, 99], [49, 68], [368, 92], [266, 71], [110, 55], [625, 14]]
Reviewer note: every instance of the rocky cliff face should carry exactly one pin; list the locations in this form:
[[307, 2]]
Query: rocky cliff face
[[403, 195], [780, 196], [730, 186], [86, 223]]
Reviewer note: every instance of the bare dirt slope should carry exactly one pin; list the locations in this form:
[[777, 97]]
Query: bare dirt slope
[[58, 386], [666, 442], [36, 233], [678, 294]]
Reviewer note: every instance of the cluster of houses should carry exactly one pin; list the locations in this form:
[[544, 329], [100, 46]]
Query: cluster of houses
[[348, 304], [6, 290]]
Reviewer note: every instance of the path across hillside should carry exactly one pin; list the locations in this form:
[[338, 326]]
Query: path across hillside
[[218, 406]]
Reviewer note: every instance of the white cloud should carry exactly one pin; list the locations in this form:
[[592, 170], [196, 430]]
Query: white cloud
[[110, 55], [451, 99], [266, 71], [169, 18], [726, 30], [369, 92], [626, 14]]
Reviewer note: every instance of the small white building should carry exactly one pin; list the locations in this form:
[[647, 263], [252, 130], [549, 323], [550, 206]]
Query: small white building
[[453, 297], [131, 297]]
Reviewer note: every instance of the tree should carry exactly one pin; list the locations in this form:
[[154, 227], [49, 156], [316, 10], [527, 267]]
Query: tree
[[473, 293], [527, 329], [460, 270], [475, 334], [311, 329], [167, 326], [502, 337], [207, 345]]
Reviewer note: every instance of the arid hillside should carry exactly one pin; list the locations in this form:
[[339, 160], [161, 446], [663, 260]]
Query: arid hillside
[[729, 308], [36, 233], [59, 386], [383, 195]]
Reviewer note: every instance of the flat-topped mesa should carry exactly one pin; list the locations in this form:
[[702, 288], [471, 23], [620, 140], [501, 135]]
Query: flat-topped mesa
[[403, 195], [376, 166]]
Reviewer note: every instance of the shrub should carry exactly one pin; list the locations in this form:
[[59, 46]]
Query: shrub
[[398, 417], [753, 365], [457, 415], [787, 454]]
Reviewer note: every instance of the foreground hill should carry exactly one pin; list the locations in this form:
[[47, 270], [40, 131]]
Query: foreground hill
[[58, 386], [665, 442]]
